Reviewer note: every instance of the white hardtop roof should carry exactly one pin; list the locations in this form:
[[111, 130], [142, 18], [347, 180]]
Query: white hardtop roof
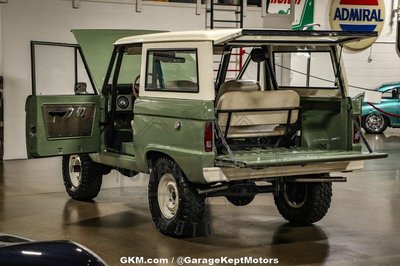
[[216, 36], [250, 37]]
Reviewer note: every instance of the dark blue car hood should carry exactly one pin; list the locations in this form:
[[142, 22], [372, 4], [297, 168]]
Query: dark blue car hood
[[60, 253]]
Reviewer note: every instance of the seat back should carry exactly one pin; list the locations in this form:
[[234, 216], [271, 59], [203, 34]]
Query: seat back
[[257, 123], [237, 85]]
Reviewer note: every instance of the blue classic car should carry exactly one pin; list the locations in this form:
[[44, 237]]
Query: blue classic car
[[376, 117], [17, 251]]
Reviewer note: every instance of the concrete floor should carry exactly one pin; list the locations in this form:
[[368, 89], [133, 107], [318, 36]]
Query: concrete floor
[[361, 227]]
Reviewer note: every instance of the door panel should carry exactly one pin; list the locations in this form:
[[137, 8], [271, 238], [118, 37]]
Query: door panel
[[68, 120], [59, 125]]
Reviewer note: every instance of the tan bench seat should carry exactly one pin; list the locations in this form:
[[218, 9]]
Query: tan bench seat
[[268, 113]]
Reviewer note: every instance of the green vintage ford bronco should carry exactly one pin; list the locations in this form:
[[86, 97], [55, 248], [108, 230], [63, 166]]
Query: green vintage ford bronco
[[229, 113]]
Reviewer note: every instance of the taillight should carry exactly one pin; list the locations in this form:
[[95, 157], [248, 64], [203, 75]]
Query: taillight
[[356, 132], [208, 136]]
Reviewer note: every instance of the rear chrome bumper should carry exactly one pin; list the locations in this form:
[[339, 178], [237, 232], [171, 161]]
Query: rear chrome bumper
[[214, 174]]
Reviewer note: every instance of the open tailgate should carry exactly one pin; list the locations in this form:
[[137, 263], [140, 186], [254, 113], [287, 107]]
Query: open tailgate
[[285, 157]]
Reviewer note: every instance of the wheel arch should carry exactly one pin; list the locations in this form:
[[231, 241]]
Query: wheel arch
[[368, 109], [191, 162], [153, 155]]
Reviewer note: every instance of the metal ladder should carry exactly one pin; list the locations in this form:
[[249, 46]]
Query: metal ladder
[[227, 14], [218, 10]]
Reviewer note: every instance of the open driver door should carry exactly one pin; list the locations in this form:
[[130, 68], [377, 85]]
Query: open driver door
[[60, 122]]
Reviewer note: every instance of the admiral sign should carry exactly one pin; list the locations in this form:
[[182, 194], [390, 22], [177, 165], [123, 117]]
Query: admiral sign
[[358, 15]]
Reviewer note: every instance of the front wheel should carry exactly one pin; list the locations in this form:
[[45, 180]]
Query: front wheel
[[374, 123], [82, 177], [304, 203], [175, 206]]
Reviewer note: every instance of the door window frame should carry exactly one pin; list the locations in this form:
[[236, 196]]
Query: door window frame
[[195, 50], [77, 52]]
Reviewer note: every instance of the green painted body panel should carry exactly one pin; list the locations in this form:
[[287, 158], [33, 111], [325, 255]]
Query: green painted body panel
[[128, 148], [326, 124], [154, 131], [357, 110], [97, 46], [38, 143], [177, 108], [115, 160]]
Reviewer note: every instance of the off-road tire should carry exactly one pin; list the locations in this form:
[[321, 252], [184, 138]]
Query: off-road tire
[[380, 127], [190, 205], [313, 206], [90, 178]]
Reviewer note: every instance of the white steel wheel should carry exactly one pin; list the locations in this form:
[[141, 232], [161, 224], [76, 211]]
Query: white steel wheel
[[168, 196], [82, 177], [295, 194], [75, 170]]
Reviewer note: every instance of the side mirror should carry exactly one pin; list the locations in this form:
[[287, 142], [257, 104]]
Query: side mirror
[[80, 88]]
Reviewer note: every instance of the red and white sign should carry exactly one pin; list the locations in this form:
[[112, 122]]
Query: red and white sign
[[358, 15]]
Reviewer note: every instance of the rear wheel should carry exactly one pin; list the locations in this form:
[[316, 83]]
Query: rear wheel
[[304, 203], [175, 205], [374, 123], [82, 177]]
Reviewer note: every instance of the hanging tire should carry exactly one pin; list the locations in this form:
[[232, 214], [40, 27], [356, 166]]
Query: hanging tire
[[242, 194], [82, 177], [304, 203], [374, 123], [240, 200], [175, 205]]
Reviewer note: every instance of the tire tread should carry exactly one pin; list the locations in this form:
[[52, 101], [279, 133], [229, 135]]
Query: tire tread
[[315, 208], [91, 180], [191, 204]]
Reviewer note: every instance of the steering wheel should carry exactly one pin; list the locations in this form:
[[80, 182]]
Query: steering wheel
[[135, 87]]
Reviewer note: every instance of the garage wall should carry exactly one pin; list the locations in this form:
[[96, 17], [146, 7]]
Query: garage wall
[[52, 20], [375, 65]]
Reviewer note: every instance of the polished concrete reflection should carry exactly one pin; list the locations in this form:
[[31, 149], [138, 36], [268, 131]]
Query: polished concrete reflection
[[361, 227]]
